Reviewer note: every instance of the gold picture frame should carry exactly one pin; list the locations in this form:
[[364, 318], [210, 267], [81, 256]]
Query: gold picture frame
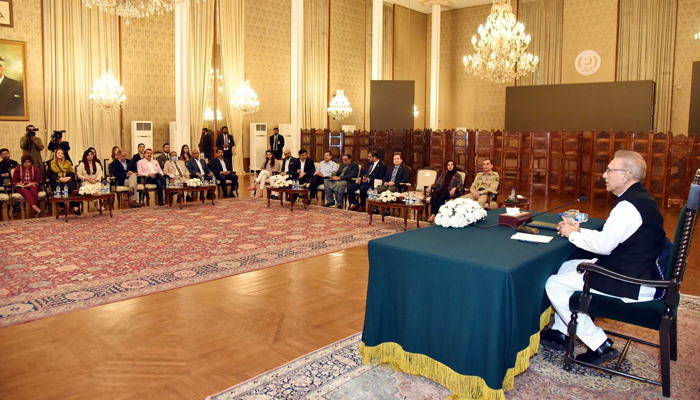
[[14, 105], [6, 18]]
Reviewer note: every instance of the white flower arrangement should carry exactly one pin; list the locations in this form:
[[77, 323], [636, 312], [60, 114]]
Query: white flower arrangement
[[194, 183], [459, 213], [89, 190], [387, 197], [283, 183]]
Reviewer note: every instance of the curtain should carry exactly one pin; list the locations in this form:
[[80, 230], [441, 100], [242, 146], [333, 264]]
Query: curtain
[[201, 55], [315, 75], [646, 44], [388, 42], [79, 42], [232, 68], [543, 20]]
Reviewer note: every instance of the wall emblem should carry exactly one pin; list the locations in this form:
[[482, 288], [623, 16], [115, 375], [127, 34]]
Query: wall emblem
[[587, 62]]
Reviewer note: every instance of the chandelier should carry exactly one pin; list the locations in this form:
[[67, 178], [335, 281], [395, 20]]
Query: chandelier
[[245, 100], [106, 94], [339, 107], [415, 111], [134, 8], [209, 115], [500, 52]]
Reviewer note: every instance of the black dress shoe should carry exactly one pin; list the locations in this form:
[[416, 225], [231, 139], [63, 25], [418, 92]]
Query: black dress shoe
[[329, 204], [604, 353], [274, 197], [554, 339], [354, 207]]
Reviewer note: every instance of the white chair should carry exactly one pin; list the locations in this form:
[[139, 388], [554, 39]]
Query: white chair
[[425, 178], [17, 198]]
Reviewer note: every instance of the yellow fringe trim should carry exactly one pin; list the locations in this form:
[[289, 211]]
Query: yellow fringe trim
[[461, 386]]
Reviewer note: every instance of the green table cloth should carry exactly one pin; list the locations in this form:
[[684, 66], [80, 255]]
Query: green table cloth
[[462, 307]]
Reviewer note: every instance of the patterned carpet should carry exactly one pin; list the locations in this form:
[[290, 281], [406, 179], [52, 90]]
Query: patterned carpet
[[336, 372], [51, 267]]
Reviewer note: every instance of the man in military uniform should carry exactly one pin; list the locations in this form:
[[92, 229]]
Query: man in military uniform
[[485, 184]]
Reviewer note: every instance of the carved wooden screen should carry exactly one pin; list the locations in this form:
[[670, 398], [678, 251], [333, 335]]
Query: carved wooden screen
[[349, 140], [335, 145], [399, 143], [571, 162], [539, 163], [362, 147], [556, 156], [419, 150], [306, 138], [657, 173], [602, 146], [437, 150], [459, 150], [679, 156], [693, 162], [510, 162], [525, 144], [379, 140], [497, 151]]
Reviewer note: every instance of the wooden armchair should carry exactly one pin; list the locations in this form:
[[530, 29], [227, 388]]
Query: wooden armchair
[[659, 314]]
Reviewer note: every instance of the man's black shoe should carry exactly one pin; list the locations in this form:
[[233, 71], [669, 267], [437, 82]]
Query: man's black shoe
[[554, 339], [604, 353], [329, 204]]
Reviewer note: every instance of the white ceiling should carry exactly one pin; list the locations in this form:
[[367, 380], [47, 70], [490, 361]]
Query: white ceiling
[[454, 4]]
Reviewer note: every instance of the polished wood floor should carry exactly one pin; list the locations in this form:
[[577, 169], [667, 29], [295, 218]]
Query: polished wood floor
[[195, 341]]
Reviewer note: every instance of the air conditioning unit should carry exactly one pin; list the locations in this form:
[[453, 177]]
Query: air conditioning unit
[[141, 132], [258, 144], [174, 142]]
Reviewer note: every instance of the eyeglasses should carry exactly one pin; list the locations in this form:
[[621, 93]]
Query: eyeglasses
[[613, 169]]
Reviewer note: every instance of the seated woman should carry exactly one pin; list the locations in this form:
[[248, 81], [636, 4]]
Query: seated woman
[[89, 172], [26, 179], [268, 167], [185, 153], [445, 188], [61, 174]]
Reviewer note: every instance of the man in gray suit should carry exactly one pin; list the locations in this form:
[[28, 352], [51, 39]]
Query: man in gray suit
[[339, 181]]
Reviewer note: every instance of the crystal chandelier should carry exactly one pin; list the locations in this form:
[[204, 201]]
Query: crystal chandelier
[[245, 100], [500, 52], [134, 8], [415, 111], [339, 107], [209, 115], [106, 94]]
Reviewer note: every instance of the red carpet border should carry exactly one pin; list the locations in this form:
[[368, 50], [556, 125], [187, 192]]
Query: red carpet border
[[52, 267]]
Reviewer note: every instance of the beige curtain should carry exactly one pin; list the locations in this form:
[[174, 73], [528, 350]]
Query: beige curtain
[[201, 56], [388, 42], [232, 67], [79, 43], [315, 86], [646, 43], [544, 21]]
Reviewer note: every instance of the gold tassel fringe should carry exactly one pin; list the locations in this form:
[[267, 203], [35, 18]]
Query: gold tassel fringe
[[461, 386]]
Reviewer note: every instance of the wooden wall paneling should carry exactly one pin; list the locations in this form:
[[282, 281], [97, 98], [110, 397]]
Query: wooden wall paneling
[[379, 140], [306, 139], [603, 150], [510, 162], [497, 151], [540, 148], [459, 150], [569, 181], [678, 170], [657, 173], [437, 150], [335, 145], [319, 144], [641, 143], [556, 161], [483, 149], [363, 147], [419, 149], [471, 153], [348, 143], [525, 144], [398, 143]]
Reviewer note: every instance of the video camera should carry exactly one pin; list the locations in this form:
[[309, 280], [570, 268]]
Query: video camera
[[32, 132], [57, 135]]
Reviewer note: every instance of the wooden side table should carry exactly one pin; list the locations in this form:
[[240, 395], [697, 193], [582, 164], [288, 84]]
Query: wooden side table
[[302, 192], [180, 191], [400, 205], [78, 198]]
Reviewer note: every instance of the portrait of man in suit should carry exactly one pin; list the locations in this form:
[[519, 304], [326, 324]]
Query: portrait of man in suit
[[13, 100]]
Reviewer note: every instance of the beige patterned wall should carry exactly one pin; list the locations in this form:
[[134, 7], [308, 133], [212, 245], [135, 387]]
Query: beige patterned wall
[[27, 28], [465, 100], [268, 58], [148, 76], [409, 54], [347, 66], [589, 25], [687, 51]]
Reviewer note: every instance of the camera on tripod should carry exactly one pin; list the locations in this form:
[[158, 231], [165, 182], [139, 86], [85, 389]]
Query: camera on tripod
[[32, 132], [57, 135]]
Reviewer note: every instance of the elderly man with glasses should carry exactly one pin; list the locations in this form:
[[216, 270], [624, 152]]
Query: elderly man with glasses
[[629, 244]]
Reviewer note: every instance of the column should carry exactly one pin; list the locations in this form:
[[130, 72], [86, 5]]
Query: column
[[297, 78], [182, 76], [377, 38], [435, 68]]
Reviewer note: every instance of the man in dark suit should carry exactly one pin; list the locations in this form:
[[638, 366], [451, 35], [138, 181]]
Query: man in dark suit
[[221, 168], [11, 94], [198, 168], [395, 176], [225, 141], [123, 170], [206, 144], [348, 171], [290, 165], [60, 143], [165, 156], [374, 169], [305, 168], [277, 143]]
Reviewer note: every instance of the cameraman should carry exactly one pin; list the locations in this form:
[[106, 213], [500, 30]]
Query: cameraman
[[31, 144], [57, 142]]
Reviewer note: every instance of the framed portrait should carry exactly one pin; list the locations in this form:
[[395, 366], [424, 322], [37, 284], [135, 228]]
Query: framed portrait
[[13, 81], [6, 20]]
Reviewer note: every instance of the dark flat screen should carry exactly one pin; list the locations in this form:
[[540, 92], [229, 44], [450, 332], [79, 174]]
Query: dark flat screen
[[391, 105], [622, 106], [694, 119]]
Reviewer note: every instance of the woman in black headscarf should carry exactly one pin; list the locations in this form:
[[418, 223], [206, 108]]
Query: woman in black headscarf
[[445, 188]]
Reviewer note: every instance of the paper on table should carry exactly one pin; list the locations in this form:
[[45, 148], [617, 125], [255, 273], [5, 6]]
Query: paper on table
[[531, 238], [512, 211]]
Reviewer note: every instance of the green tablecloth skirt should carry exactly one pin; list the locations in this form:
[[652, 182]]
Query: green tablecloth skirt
[[462, 307]]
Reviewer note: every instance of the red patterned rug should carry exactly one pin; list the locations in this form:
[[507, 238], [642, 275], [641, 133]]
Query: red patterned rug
[[51, 267]]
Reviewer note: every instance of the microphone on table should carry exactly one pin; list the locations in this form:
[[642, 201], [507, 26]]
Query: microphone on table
[[523, 222]]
